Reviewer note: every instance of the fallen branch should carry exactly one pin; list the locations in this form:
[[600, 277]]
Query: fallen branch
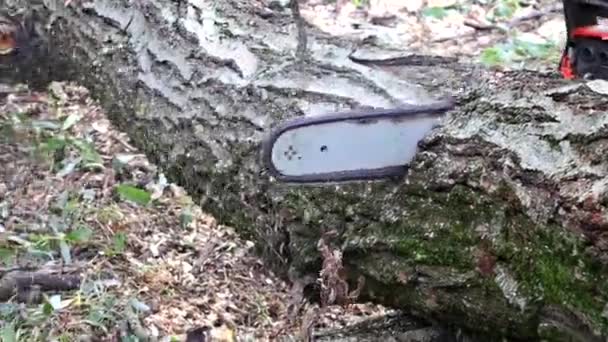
[[479, 26], [20, 283], [534, 15], [411, 60], [301, 27]]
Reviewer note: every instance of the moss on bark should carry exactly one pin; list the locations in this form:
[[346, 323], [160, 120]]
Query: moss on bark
[[468, 251]]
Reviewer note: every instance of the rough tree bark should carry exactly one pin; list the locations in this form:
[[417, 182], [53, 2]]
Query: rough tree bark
[[499, 227]]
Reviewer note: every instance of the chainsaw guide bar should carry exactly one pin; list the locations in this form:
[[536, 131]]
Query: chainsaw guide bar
[[373, 144], [349, 146]]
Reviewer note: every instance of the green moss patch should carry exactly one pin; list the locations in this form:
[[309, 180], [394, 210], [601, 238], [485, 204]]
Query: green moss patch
[[552, 268], [442, 230]]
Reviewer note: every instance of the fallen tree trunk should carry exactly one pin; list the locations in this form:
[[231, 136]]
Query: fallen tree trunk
[[499, 226]]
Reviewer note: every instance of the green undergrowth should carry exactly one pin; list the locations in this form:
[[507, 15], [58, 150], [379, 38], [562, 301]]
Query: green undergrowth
[[516, 51], [68, 234]]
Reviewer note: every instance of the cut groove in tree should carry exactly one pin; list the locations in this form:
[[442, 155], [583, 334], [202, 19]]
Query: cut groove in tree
[[499, 227]]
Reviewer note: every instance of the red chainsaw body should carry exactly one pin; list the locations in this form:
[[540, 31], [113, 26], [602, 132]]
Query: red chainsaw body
[[586, 52]]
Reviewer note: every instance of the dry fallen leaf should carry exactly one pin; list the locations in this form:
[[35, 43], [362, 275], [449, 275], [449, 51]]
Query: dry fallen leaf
[[598, 86], [553, 30], [410, 5], [392, 7]]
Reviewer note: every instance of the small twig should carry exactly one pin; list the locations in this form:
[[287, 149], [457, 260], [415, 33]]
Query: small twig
[[534, 15], [505, 27], [308, 323], [4, 270], [301, 27], [124, 143], [479, 26], [445, 39], [413, 60]]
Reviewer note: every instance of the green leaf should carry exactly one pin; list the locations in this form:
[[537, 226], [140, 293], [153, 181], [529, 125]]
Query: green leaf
[[53, 144], [65, 338], [129, 338], [7, 255], [133, 194], [493, 56], [47, 308], [120, 242], [8, 333], [8, 310], [185, 218], [434, 12], [70, 121], [96, 316], [82, 234], [45, 124], [41, 241], [534, 50], [65, 251], [87, 151], [506, 8], [139, 305]]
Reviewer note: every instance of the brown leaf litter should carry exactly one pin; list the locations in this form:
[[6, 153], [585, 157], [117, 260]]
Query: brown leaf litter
[[166, 268], [458, 28]]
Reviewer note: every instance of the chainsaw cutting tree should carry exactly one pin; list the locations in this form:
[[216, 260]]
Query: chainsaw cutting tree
[[487, 211]]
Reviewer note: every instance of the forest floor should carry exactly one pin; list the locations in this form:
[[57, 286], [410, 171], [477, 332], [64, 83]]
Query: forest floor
[[77, 199]]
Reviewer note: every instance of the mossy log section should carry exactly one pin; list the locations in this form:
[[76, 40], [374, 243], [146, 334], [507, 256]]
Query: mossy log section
[[500, 225]]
